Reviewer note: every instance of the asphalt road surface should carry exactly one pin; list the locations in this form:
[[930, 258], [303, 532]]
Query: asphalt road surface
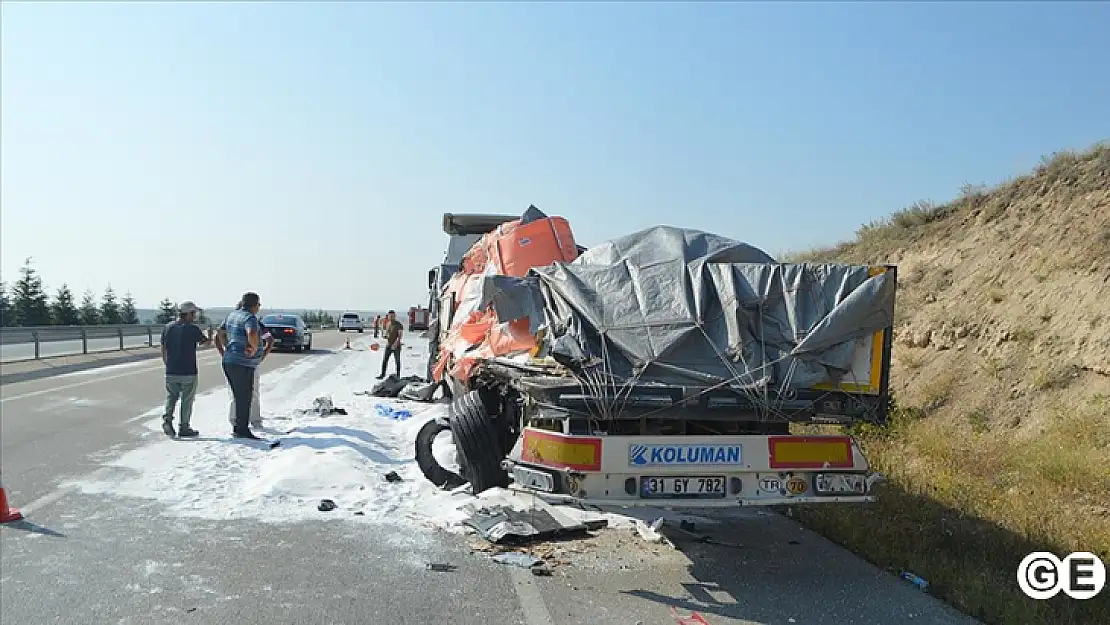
[[88, 559], [26, 351]]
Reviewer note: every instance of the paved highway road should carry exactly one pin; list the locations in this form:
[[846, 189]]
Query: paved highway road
[[90, 559]]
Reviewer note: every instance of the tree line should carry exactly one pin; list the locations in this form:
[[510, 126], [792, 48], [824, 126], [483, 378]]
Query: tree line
[[318, 318], [26, 303]]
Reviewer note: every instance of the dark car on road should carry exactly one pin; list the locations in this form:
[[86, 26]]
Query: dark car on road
[[289, 332]]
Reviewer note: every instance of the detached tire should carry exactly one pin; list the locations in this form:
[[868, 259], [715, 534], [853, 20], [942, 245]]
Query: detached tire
[[426, 460], [478, 443]]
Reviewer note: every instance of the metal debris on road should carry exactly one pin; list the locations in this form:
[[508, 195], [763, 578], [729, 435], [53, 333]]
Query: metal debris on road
[[326, 505], [440, 567], [392, 477], [515, 558]]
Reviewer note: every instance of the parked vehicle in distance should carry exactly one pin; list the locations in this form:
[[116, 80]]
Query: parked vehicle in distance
[[419, 317], [350, 321], [289, 332]]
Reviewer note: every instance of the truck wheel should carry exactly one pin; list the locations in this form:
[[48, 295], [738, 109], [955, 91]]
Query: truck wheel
[[426, 460], [477, 441]]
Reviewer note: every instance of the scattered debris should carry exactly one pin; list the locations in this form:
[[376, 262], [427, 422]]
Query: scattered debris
[[501, 516], [393, 385], [441, 567], [419, 391], [915, 580], [516, 558], [323, 406], [541, 571], [326, 505], [650, 533], [693, 619], [393, 477], [397, 414]]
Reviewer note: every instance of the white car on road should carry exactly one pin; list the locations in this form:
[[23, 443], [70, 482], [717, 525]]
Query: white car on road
[[350, 321]]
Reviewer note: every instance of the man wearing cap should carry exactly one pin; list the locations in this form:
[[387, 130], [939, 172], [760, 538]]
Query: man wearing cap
[[392, 330], [179, 353]]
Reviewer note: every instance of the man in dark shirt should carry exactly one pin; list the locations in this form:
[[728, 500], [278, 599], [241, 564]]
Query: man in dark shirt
[[179, 353], [392, 330]]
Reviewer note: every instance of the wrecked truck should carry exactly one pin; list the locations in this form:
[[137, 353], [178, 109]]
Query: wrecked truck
[[665, 367]]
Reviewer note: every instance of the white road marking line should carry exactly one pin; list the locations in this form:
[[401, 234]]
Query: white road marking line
[[61, 492], [531, 601], [94, 380]]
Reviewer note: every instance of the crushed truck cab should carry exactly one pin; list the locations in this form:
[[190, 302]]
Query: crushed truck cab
[[701, 471]]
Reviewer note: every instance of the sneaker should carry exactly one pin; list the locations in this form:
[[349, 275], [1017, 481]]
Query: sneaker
[[188, 432], [167, 427], [246, 434], [382, 376]]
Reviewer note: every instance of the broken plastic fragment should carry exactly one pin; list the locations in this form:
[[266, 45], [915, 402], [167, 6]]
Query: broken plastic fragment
[[514, 558], [650, 533]]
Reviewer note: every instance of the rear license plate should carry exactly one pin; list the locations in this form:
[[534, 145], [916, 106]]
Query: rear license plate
[[682, 487]]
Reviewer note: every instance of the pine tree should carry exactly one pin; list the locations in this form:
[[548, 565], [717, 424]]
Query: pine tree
[[63, 309], [127, 311], [29, 299], [90, 314], [5, 306], [168, 311], [109, 308]]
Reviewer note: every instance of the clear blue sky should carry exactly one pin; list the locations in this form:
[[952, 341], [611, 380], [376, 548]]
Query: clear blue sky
[[308, 150]]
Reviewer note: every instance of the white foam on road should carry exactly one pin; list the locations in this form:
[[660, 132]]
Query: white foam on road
[[340, 457]]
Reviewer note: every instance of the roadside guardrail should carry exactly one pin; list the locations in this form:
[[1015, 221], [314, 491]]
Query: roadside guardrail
[[17, 342]]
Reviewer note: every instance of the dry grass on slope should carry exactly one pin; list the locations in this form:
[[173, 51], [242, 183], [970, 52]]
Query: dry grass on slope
[[1000, 444]]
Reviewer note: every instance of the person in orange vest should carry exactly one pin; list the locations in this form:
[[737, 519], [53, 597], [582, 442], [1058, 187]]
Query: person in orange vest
[[377, 324]]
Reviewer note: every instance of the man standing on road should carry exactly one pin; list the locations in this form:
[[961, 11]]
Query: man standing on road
[[392, 330], [256, 399], [242, 353], [377, 324], [179, 353]]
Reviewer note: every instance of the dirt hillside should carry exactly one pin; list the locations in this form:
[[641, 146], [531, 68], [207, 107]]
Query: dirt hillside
[[1000, 443]]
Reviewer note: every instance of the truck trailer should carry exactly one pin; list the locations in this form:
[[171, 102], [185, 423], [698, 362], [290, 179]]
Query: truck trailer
[[666, 367]]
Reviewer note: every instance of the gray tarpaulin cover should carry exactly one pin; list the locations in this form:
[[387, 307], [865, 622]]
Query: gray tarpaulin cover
[[686, 307]]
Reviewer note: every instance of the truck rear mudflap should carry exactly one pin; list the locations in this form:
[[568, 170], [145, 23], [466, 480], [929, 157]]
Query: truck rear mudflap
[[690, 471]]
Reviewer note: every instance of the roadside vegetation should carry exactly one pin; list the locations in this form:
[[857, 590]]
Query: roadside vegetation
[[999, 441]]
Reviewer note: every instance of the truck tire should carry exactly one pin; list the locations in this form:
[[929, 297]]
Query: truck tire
[[477, 441], [426, 460]]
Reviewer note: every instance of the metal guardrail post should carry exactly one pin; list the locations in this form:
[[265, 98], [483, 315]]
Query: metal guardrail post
[[120, 332], [35, 338], [149, 335], [84, 341]]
